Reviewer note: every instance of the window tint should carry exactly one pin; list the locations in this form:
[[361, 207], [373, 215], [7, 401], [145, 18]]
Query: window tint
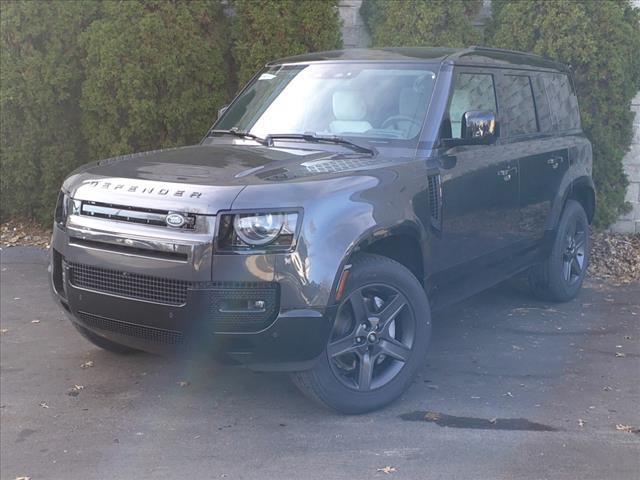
[[546, 120], [518, 106], [472, 91], [563, 101]]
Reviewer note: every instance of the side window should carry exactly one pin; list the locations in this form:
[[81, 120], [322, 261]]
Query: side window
[[472, 91], [518, 106], [563, 101], [546, 120]]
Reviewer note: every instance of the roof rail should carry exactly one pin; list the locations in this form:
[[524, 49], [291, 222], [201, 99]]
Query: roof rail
[[504, 50]]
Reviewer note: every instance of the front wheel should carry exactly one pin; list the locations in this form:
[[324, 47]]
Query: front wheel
[[378, 342], [560, 277]]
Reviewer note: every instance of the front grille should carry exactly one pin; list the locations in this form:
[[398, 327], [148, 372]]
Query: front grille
[[151, 334], [131, 285], [126, 213]]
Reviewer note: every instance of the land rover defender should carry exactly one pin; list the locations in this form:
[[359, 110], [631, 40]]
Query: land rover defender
[[335, 203]]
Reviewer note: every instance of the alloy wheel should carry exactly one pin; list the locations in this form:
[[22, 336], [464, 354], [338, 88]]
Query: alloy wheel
[[372, 337], [574, 253]]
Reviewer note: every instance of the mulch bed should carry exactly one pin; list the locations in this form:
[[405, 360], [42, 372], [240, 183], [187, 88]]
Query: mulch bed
[[614, 257]]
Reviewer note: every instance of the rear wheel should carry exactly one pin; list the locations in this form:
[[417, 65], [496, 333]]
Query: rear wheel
[[378, 342], [560, 277], [103, 343]]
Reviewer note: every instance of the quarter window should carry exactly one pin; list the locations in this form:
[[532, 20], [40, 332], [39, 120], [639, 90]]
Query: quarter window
[[518, 105], [563, 101], [472, 91]]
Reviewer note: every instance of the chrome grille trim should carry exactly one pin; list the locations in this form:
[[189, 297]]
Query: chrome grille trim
[[130, 285], [125, 213]]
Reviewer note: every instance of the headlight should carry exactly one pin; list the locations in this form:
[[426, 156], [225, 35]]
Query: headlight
[[273, 231], [60, 216], [65, 206]]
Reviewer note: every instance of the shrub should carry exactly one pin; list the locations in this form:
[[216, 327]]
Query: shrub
[[155, 74], [421, 23], [600, 39], [40, 80], [268, 29]]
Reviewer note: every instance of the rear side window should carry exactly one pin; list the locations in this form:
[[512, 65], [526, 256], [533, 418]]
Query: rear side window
[[472, 91], [562, 100], [518, 106], [546, 121]]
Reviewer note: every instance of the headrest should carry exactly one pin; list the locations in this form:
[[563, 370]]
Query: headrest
[[408, 102], [348, 105]]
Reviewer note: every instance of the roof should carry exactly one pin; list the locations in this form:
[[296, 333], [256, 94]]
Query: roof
[[474, 55]]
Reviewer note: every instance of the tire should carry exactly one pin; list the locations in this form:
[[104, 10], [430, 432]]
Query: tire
[[103, 343], [378, 342], [560, 277]]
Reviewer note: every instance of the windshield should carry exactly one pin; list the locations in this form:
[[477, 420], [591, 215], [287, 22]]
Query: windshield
[[377, 102]]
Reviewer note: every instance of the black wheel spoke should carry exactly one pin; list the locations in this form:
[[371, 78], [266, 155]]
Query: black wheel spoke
[[341, 346], [391, 310], [580, 240], [575, 266], [358, 305], [566, 270], [395, 349], [365, 373]]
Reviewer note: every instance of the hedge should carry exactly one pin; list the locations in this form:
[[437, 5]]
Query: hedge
[[40, 83], [420, 23], [156, 73], [268, 29], [600, 39]]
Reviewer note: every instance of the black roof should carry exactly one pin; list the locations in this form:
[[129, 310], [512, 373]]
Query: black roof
[[473, 55]]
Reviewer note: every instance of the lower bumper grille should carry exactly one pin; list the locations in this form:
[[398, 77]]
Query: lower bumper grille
[[150, 334], [131, 285]]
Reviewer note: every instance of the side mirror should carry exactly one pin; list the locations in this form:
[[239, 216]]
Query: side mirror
[[222, 110], [479, 127]]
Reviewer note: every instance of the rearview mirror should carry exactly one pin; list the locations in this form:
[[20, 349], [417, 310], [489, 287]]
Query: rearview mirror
[[222, 110], [479, 127]]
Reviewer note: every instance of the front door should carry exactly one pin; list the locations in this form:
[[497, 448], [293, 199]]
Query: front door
[[480, 183]]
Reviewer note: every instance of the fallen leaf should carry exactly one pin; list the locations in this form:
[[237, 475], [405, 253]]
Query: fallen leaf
[[626, 428], [620, 355], [432, 416], [493, 420], [75, 390], [386, 469], [516, 347], [87, 364], [24, 477], [508, 394], [607, 388], [581, 422], [184, 383], [3, 331], [35, 321], [44, 404]]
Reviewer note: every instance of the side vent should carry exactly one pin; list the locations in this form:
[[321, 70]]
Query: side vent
[[435, 200]]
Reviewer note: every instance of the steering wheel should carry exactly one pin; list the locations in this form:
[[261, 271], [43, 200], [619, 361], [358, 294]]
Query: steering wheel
[[396, 119]]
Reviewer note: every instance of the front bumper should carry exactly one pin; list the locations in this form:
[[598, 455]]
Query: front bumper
[[175, 311]]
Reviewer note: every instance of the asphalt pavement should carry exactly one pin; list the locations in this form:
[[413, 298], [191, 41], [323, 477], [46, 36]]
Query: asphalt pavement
[[513, 388]]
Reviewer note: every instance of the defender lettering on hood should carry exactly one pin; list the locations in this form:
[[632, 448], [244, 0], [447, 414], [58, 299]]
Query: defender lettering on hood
[[149, 190]]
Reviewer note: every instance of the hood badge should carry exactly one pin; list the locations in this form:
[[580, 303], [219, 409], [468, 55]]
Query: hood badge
[[175, 220], [144, 189]]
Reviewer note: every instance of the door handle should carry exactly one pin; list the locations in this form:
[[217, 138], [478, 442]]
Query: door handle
[[555, 162], [507, 172]]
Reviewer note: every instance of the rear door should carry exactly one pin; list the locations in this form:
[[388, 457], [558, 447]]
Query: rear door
[[531, 135]]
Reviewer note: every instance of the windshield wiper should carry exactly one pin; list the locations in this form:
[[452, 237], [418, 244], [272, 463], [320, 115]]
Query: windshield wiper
[[310, 137], [241, 134]]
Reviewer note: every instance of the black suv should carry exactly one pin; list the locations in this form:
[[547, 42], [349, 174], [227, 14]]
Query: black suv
[[339, 200]]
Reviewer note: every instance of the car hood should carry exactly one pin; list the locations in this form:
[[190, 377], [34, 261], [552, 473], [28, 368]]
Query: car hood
[[209, 176]]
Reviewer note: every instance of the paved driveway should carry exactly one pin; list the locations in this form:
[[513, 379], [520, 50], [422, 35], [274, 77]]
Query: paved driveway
[[513, 388]]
